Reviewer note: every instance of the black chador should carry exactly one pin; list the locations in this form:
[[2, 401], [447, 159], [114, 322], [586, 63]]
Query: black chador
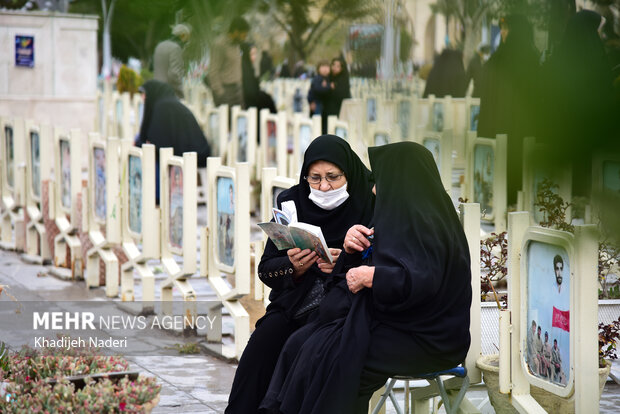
[[414, 319]]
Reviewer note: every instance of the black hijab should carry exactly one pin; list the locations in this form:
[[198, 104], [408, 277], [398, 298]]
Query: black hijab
[[356, 209], [166, 122]]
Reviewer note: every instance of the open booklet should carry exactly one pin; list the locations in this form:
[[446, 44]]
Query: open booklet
[[287, 235]]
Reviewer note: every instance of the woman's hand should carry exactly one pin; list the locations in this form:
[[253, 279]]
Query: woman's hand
[[327, 267], [360, 277], [355, 239], [301, 260]]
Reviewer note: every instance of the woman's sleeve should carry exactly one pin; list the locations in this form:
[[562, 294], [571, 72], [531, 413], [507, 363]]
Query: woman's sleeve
[[404, 285], [275, 269]]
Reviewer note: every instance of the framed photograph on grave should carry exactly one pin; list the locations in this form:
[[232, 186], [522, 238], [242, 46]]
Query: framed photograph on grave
[[9, 154], [242, 138], [34, 158], [484, 169], [64, 147], [438, 117], [175, 211], [98, 180], [134, 189], [434, 146], [404, 118], [371, 109], [272, 140], [225, 225], [611, 176], [341, 132], [381, 138], [547, 301], [474, 111]]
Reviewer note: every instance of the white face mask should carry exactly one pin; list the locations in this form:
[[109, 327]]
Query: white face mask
[[329, 200]]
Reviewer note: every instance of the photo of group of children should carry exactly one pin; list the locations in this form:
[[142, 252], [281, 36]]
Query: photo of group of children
[[9, 154], [65, 174], [548, 312], [483, 177], [225, 220], [611, 176], [35, 163], [175, 177], [135, 194]]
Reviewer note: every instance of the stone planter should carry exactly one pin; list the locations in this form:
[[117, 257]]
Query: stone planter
[[489, 365]]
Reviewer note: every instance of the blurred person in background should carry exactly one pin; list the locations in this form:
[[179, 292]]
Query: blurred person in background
[[168, 64]]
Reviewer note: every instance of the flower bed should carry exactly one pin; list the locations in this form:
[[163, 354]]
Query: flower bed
[[41, 381]]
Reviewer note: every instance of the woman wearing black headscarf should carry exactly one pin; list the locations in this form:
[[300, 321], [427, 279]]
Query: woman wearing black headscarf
[[509, 94], [339, 90], [167, 123], [447, 77], [409, 310], [334, 193], [579, 116]]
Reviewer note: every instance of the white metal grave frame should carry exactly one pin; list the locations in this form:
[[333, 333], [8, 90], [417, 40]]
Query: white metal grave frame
[[101, 208], [498, 150], [210, 263], [243, 137], [12, 188], [270, 182], [137, 111], [138, 166], [605, 170], [305, 130], [405, 118], [581, 250], [64, 196], [273, 148], [178, 275], [217, 129], [38, 169]]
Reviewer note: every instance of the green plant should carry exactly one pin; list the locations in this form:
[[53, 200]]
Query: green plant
[[608, 336], [28, 372], [553, 206], [128, 80], [608, 260], [493, 257]]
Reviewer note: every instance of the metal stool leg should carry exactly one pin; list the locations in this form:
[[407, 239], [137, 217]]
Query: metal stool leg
[[384, 397]]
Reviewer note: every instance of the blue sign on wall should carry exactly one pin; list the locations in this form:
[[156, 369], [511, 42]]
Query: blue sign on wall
[[24, 51]]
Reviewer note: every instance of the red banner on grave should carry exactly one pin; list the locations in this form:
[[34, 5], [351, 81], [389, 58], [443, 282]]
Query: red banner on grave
[[561, 319]]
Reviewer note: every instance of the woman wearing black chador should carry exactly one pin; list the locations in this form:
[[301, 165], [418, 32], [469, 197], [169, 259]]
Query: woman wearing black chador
[[334, 193], [406, 312]]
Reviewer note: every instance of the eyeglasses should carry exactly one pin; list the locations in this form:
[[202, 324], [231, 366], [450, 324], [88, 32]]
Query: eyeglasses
[[316, 179]]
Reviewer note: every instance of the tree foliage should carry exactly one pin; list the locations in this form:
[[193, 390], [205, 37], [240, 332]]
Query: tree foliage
[[305, 22], [136, 27]]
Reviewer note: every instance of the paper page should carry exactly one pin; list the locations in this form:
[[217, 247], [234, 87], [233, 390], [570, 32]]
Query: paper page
[[279, 235], [307, 236]]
